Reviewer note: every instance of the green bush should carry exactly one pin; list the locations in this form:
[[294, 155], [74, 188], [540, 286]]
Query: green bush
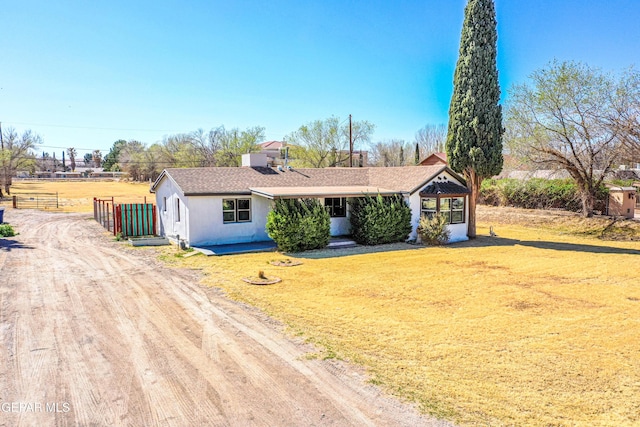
[[377, 220], [6, 230], [298, 225], [536, 193], [433, 230]]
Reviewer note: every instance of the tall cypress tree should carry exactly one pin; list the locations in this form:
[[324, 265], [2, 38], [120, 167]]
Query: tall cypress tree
[[474, 139]]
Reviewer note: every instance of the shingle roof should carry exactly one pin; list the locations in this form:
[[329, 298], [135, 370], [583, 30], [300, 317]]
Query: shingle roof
[[445, 187], [208, 181]]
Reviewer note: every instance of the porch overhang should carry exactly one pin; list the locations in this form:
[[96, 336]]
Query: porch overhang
[[317, 192]]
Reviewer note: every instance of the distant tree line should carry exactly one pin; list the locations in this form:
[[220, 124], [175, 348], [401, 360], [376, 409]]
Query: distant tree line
[[320, 143]]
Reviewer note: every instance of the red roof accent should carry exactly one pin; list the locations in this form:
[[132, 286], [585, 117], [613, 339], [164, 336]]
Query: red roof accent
[[435, 159]]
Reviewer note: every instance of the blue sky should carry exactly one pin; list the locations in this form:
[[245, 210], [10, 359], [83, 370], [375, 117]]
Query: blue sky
[[86, 73]]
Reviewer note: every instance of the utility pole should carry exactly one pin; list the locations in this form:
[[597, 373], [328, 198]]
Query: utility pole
[[350, 143], [1, 140]]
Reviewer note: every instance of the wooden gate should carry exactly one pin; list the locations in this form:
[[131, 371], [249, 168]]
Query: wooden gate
[[136, 219], [125, 219]]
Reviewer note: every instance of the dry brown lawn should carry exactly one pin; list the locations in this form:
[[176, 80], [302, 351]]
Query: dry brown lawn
[[78, 196], [538, 326]]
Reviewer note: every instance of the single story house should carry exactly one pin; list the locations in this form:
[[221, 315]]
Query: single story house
[[224, 205]]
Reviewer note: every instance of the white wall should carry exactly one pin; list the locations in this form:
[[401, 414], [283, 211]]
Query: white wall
[[167, 216], [208, 228], [458, 231], [340, 226]]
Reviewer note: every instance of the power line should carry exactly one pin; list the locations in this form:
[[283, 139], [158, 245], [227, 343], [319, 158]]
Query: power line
[[92, 128]]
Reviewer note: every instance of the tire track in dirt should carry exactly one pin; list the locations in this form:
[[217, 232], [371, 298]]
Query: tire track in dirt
[[125, 341]]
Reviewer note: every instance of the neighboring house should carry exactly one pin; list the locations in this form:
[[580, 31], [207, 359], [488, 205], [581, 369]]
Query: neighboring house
[[435, 159], [67, 175], [274, 150], [106, 174], [279, 153], [209, 206]]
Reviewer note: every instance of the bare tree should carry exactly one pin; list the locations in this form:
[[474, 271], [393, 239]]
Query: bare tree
[[72, 153], [627, 117], [323, 143], [209, 144], [96, 157], [567, 120], [15, 153], [394, 152], [432, 139]]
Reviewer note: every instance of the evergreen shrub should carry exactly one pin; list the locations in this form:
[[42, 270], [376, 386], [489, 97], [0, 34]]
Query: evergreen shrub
[[537, 193], [298, 225], [6, 230], [378, 220]]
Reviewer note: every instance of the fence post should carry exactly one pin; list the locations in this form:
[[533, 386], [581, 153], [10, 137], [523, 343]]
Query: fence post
[[15, 202]]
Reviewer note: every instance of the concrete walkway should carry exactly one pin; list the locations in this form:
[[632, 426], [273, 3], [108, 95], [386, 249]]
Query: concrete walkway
[[268, 246]]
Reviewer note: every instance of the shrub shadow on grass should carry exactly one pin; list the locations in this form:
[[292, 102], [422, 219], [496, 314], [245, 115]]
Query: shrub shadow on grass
[[355, 250], [556, 246], [480, 241]]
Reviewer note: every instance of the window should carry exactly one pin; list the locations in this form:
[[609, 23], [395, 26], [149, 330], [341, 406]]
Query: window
[[429, 207], [457, 210], [236, 210], [164, 204], [445, 209], [177, 210], [451, 207], [337, 206]]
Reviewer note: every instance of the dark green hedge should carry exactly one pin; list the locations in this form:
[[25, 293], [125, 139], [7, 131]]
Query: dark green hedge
[[298, 225], [377, 220], [536, 193]]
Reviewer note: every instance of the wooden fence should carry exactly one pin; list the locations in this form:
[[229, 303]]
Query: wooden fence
[[125, 219], [136, 219], [36, 201]]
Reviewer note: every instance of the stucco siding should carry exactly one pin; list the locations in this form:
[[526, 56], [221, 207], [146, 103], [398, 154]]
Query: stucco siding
[[458, 231], [208, 227], [167, 197]]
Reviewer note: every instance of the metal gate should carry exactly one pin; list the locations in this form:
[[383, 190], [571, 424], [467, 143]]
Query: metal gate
[[36, 201]]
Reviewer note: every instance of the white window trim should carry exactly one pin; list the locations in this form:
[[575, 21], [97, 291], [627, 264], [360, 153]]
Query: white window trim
[[236, 211]]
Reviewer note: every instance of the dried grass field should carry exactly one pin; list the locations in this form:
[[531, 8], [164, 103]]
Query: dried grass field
[[538, 326], [77, 196]]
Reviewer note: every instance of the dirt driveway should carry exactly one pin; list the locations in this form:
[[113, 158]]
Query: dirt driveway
[[97, 333]]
